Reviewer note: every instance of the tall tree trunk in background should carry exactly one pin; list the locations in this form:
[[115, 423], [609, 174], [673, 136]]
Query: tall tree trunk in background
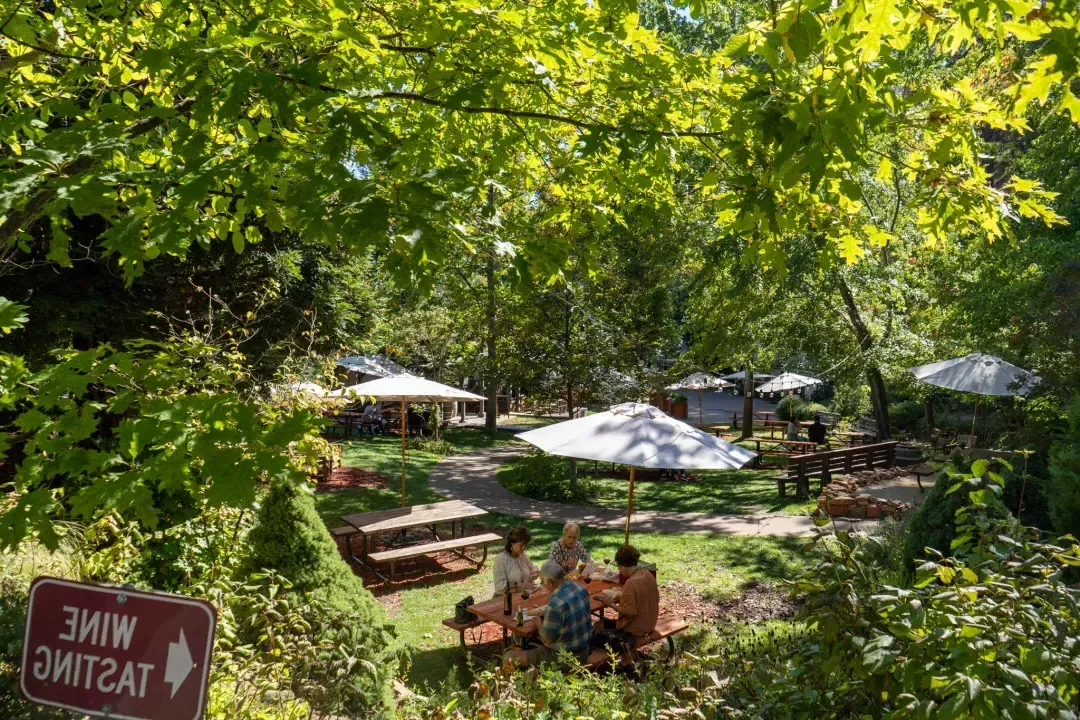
[[928, 413], [748, 402], [879, 396], [567, 349], [491, 418]]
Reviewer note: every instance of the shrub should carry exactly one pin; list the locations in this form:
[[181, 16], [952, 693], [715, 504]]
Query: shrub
[[1063, 488], [787, 404], [290, 539], [907, 416], [988, 633], [545, 477], [933, 524], [433, 446]]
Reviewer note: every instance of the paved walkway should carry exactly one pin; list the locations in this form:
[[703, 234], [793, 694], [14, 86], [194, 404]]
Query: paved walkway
[[471, 477]]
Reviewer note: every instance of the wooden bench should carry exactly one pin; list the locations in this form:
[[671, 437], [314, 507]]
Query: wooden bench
[[923, 470], [456, 545], [462, 627], [823, 464], [667, 626], [345, 532]]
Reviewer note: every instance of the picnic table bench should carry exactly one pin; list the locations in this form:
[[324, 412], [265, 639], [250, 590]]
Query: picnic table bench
[[923, 470], [781, 446], [822, 464], [667, 626], [397, 520], [854, 436]]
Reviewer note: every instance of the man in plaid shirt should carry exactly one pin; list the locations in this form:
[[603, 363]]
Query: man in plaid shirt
[[567, 621]]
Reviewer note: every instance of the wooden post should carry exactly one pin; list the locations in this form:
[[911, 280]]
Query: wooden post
[[802, 483], [403, 452], [699, 396], [974, 415], [629, 508]]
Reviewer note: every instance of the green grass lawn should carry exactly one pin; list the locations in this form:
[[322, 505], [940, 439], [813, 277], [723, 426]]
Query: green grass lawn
[[716, 565], [732, 491]]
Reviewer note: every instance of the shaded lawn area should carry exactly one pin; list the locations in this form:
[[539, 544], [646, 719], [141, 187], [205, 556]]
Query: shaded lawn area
[[382, 454], [418, 601], [731, 491]]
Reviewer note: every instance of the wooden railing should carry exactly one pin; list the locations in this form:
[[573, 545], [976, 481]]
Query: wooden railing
[[844, 460]]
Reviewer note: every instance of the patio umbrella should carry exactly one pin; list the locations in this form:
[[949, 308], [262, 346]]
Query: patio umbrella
[[308, 388], [980, 374], [638, 435], [788, 381], [741, 375], [700, 381], [405, 388]]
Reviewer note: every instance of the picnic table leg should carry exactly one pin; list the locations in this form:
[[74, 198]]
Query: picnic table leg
[[506, 639]]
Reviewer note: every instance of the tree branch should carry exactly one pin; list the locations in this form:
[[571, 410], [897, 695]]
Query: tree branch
[[79, 165], [532, 115]]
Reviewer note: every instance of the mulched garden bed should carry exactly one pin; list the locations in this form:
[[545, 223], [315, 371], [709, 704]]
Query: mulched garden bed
[[756, 602], [349, 478]]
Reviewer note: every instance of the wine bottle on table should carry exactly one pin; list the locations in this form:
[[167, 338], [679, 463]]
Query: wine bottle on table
[[507, 600]]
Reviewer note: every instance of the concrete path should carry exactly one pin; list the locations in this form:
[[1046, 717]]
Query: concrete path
[[471, 477]]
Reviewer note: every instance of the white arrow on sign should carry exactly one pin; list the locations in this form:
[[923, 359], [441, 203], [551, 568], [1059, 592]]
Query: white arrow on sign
[[179, 664]]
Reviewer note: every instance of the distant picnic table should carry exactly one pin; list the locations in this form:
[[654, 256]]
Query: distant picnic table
[[397, 520]]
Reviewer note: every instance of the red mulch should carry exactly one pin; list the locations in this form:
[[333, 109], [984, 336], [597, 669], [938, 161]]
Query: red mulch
[[347, 478], [756, 602]]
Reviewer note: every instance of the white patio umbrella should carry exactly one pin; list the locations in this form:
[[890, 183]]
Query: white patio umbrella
[[741, 375], [788, 381], [980, 374], [405, 388], [638, 435], [701, 382], [308, 388]]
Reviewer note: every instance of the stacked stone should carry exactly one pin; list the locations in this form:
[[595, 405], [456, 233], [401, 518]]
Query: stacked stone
[[841, 498]]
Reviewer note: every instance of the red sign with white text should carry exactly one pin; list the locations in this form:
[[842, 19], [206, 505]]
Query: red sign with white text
[[117, 653]]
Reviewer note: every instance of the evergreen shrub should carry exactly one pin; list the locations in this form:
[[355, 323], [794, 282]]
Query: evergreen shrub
[[1063, 487], [290, 539]]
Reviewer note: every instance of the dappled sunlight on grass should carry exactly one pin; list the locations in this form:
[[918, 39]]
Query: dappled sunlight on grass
[[715, 565], [730, 491]]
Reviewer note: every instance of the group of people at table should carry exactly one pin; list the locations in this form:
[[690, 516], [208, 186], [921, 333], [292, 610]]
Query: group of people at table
[[567, 618]]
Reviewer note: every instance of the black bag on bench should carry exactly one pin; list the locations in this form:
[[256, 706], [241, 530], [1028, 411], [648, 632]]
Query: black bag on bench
[[462, 616]]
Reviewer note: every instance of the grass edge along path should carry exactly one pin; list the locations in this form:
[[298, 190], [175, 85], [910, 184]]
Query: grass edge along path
[[736, 492], [717, 565]]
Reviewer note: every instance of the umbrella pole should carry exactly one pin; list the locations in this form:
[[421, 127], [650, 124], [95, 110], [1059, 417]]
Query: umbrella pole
[[629, 508], [403, 453], [974, 415]]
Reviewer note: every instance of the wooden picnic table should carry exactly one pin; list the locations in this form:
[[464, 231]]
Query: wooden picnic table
[[492, 610], [763, 415], [853, 437], [788, 447], [369, 524]]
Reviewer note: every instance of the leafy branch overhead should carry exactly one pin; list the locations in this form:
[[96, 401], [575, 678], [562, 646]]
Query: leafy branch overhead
[[378, 125], [140, 429]]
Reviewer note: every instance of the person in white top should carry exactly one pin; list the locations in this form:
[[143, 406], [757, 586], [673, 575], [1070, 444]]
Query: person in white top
[[512, 566]]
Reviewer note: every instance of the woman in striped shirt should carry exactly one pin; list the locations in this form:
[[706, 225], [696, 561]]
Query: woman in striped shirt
[[568, 550]]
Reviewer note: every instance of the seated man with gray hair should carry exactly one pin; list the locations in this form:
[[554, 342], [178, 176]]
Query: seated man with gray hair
[[568, 550], [567, 623]]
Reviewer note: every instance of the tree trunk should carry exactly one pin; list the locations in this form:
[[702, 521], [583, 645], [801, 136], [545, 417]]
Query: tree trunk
[[928, 413], [491, 419], [748, 402], [567, 338], [879, 396]]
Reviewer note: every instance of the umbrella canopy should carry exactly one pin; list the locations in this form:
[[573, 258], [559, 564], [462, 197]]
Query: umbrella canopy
[[303, 388], [978, 373], [741, 375], [638, 435], [408, 388], [373, 366], [788, 381], [699, 381]]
